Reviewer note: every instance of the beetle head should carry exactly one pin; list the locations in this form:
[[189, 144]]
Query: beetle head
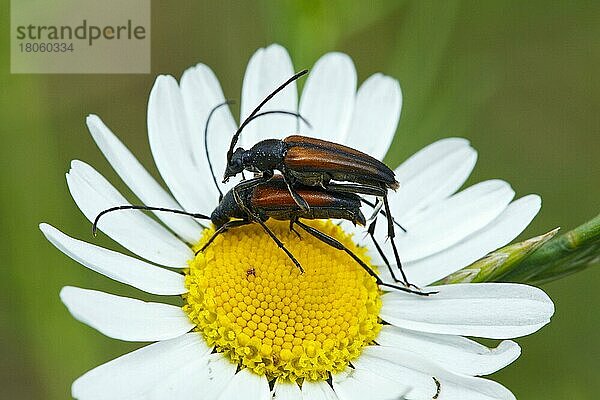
[[218, 217], [235, 164]]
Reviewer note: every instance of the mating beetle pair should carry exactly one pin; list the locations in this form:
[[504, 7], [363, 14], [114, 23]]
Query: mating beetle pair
[[303, 190], [314, 162]]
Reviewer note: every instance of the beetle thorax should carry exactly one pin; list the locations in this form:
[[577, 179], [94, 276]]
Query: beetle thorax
[[227, 209], [266, 155]]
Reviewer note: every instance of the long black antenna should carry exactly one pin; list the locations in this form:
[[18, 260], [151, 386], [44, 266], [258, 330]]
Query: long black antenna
[[294, 114], [250, 119], [257, 109], [145, 208], [215, 108]]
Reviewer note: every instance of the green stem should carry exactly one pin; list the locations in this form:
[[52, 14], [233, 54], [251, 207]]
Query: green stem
[[571, 252]]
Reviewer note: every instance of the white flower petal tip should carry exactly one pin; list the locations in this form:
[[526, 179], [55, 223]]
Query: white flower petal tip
[[202, 92], [454, 353], [429, 154], [132, 228], [252, 386], [431, 175], [358, 384], [171, 144], [426, 379], [146, 372], [488, 310], [327, 100], [117, 266], [139, 180], [125, 318], [268, 68], [376, 115]]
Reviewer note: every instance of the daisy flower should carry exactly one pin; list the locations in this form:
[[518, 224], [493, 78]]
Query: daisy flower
[[250, 325]]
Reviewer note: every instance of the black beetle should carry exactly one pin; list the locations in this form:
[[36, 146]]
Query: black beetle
[[309, 161], [314, 162], [272, 199]]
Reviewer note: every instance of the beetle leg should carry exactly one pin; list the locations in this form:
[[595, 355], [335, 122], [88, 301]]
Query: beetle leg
[[392, 236], [245, 185], [297, 198], [324, 181], [336, 244], [367, 202], [258, 219], [371, 232], [228, 225], [278, 242], [376, 210], [268, 174], [293, 230]]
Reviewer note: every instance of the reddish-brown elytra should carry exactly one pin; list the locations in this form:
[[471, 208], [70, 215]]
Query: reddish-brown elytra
[[308, 161], [271, 199]]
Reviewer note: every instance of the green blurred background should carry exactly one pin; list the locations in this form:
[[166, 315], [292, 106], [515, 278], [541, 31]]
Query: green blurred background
[[519, 79]]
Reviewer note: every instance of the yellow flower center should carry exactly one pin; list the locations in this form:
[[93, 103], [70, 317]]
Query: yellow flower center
[[249, 300]]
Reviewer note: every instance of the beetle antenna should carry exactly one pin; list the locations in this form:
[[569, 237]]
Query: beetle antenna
[[257, 109], [145, 208], [215, 108], [297, 115]]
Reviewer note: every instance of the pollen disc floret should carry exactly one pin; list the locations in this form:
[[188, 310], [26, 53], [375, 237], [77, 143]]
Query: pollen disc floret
[[249, 300]]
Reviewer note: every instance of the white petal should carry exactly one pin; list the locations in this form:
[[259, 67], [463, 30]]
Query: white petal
[[267, 69], [451, 220], [201, 93], [132, 228], [429, 154], [454, 353], [432, 174], [203, 378], [418, 373], [376, 115], [286, 391], [172, 147], [219, 373], [359, 384], [117, 266], [140, 181], [319, 390], [489, 310], [180, 385], [497, 233], [137, 373], [125, 318], [328, 98], [247, 385]]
